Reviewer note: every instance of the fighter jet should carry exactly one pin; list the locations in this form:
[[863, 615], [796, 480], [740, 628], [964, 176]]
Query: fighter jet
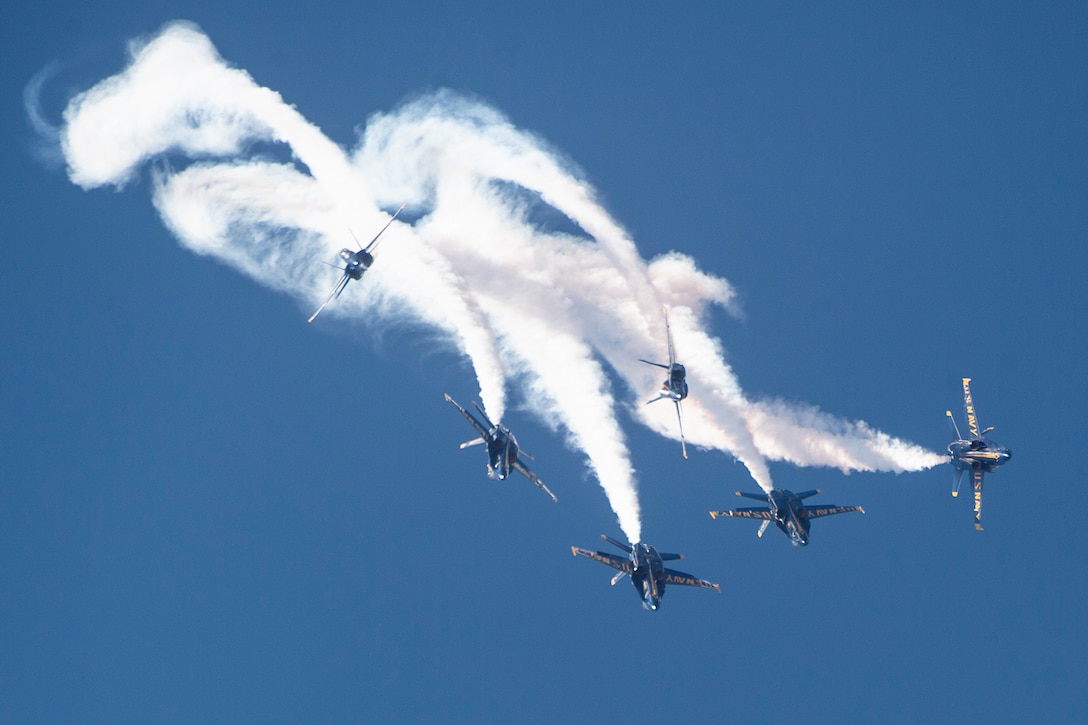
[[787, 512], [644, 565], [675, 387], [502, 448], [978, 454], [355, 263]]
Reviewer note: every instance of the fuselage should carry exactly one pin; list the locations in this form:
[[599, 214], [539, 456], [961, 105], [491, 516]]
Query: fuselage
[[356, 262], [677, 384], [648, 575], [790, 515], [502, 452], [978, 454]]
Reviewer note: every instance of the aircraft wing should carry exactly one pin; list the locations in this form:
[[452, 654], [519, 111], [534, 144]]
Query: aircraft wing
[[335, 293], [976, 480], [815, 512], [679, 577], [969, 409], [668, 335], [752, 513], [469, 417], [374, 242], [616, 562], [519, 466], [680, 421]]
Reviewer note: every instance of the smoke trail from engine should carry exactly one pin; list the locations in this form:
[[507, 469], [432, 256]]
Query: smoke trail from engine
[[528, 305]]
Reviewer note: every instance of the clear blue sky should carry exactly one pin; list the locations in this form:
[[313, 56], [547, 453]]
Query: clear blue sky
[[211, 511]]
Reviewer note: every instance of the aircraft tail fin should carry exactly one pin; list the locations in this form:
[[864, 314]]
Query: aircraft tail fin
[[957, 479], [807, 494], [626, 547], [473, 442], [952, 422], [486, 419], [763, 528]]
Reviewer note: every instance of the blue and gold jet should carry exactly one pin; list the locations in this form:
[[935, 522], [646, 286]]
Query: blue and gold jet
[[977, 454], [675, 387], [502, 448], [787, 512], [355, 263], [645, 566]]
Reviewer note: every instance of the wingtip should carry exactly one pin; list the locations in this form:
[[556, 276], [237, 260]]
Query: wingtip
[[861, 509], [574, 551], [955, 494], [737, 493], [713, 514], [718, 588]]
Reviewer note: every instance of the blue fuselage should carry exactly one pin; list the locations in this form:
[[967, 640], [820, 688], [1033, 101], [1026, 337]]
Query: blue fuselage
[[502, 452], [790, 515], [356, 262], [648, 575], [978, 454]]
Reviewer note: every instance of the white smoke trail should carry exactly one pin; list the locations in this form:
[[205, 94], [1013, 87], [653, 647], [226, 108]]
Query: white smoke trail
[[542, 307]]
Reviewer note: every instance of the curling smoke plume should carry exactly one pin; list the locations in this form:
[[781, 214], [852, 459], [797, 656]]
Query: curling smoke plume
[[534, 307]]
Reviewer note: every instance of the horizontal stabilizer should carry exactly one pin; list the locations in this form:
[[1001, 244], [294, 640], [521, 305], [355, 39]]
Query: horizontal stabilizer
[[752, 513]]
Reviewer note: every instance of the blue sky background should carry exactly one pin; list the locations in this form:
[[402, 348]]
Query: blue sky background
[[212, 511]]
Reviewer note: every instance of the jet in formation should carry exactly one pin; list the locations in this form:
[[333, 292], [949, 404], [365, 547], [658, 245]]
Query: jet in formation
[[787, 512], [502, 447], [355, 263], [675, 387], [976, 453], [644, 564]]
